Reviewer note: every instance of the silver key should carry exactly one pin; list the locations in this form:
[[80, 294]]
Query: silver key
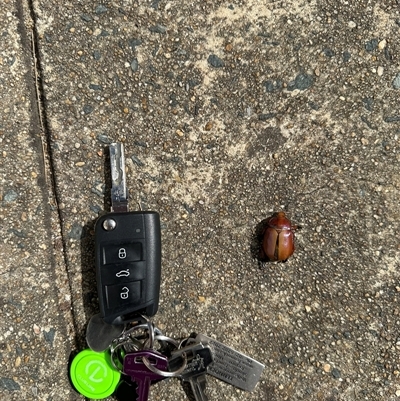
[[199, 357], [232, 366]]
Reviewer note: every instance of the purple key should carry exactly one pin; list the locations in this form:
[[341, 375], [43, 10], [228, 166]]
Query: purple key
[[140, 374]]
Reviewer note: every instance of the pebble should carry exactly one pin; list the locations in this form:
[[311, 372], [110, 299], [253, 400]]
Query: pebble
[[229, 47], [273, 86], [97, 55], [328, 52], [100, 9], [19, 234], [396, 81], [76, 231], [346, 56], [368, 103], [327, 367], [336, 373], [104, 139], [134, 42], [189, 209], [391, 119], [380, 71], [87, 109], [208, 126], [36, 329], [302, 82], [135, 65], [382, 44], [49, 335], [215, 61], [371, 45], [9, 384], [98, 189], [352, 24], [137, 161], [104, 33], [86, 17], [10, 196], [96, 87], [158, 29], [95, 209], [266, 116]]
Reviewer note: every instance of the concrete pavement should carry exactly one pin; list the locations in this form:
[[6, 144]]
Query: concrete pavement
[[228, 111]]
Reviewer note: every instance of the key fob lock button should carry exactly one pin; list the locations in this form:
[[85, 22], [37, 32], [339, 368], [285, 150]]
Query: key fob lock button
[[122, 253]]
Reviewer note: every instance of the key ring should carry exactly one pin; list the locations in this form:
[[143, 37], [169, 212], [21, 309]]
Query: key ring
[[117, 364], [129, 332], [133, 343], [160, 337], [149, 325], [126, 340], [164, 373]]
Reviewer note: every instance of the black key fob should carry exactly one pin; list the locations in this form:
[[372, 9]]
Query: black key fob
[[128, 254]]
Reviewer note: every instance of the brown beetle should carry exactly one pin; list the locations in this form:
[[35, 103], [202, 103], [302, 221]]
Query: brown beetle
[[278, 239]]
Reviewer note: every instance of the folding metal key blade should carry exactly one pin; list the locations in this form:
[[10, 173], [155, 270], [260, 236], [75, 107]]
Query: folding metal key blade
[[119, 191]]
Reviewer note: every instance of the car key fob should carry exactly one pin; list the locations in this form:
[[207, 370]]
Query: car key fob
[[128, 253]]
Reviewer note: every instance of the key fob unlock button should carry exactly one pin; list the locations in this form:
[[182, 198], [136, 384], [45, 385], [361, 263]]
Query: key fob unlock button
[[122, 294]]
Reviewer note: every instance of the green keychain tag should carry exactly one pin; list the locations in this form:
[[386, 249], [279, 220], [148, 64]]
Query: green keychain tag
[[93, 375]]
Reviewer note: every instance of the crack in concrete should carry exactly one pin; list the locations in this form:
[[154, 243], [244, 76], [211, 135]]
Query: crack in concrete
[[40, 129]]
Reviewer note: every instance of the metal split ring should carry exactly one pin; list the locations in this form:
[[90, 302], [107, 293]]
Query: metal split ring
[[117, 364], [128, 343], [148, 325], [164, 373]]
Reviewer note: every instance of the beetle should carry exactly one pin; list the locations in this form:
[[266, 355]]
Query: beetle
[[277, 239]]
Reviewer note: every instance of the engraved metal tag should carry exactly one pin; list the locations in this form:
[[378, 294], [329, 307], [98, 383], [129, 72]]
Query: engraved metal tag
[[232, 366]]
